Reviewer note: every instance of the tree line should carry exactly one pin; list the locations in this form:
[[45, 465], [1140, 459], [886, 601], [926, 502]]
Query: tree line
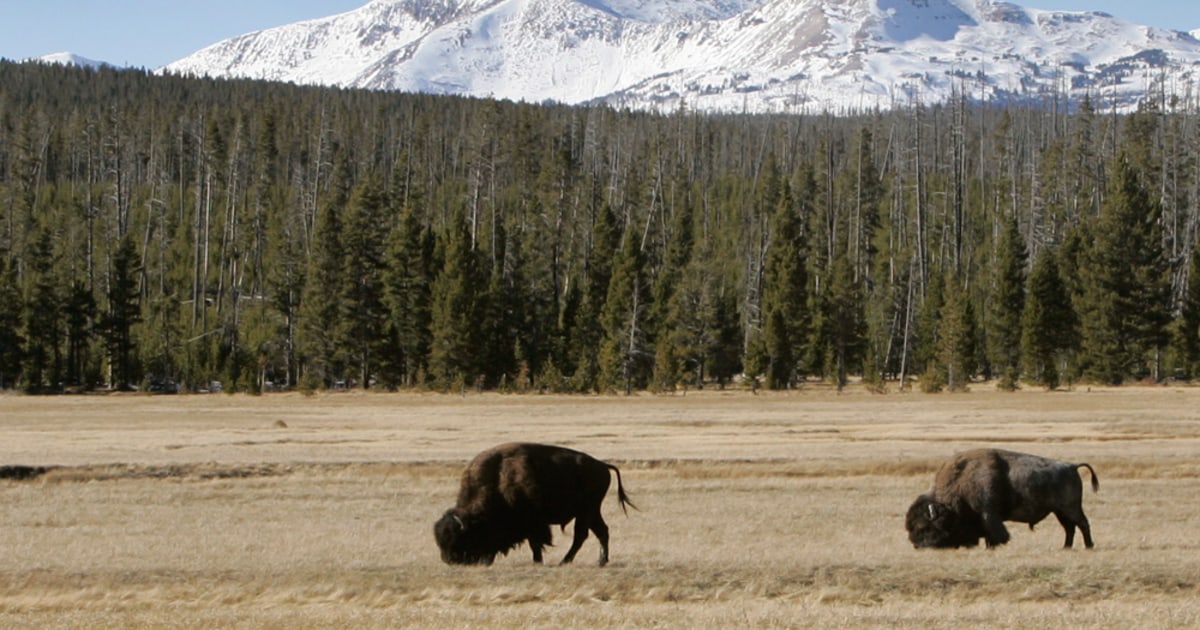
[[160, 231]]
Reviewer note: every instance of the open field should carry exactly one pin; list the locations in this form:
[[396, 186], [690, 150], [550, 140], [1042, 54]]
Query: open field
[[782, 510]]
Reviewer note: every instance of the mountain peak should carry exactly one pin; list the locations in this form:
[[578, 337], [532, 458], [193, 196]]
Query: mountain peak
[[70, 59], [745, 55]]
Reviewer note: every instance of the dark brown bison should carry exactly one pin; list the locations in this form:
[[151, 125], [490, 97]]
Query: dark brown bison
[[22, 473], [976, 491], [515, 492]]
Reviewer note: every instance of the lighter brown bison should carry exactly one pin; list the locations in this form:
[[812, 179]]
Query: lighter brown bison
[[515, 492], [976, 491]]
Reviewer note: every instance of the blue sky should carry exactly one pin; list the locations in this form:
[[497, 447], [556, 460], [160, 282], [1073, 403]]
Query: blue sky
[[151, 33], [143, 33]]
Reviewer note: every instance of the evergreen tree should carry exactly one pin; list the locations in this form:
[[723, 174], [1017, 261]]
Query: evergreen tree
[[724, 358], [123, 313], [669, 367], [668, 363], [867, 195], [1007, 305], [456, 310], [43, 326], [1072, 266], [408, 277], [584, 325], [928, 324], [699, 325], [11, 340], [845, 325], [79, 313], [1186, 330], [972, 349], [623, 349], [362, 313], [285, 282], [955, 360], [319, 316], [1048, 323], [1126, 289], [505, 308], [785, 295]]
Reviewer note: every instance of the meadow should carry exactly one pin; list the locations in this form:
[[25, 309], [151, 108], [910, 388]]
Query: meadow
[[766, 511]]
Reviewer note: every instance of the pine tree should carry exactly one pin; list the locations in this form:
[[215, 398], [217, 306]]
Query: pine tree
[[623, 356], [845, 325], [1048, 323], [408, 278], [1186, 328], [456, 310], [666, 316], [79, 314], [955, 361], [724, 358], [697, 320], [505, 307], [319, 315], [362, 313], [285, 280], [122, 314], [867, 195], [785, 295], [43, 326], [584, 325], [1126, 288], [11, 340], [1007, 305], [928, 324]]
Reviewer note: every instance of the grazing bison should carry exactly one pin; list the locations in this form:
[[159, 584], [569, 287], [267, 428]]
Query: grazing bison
[[22, 473], [976, 491], [516, 492]]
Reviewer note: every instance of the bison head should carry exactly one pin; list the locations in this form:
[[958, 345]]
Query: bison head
[[931, 523], [461, 542]]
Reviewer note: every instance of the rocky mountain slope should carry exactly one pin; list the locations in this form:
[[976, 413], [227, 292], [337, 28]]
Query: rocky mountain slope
[[726, 55]]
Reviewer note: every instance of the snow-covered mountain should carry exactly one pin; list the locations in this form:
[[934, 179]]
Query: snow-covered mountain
[[731, 55], [71, 59]]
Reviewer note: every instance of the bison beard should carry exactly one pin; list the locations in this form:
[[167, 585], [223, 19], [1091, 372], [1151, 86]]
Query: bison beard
[[933, 524], [976, 491], [515, 492]]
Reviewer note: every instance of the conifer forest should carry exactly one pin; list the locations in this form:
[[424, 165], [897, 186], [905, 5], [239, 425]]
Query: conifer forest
[[167, 233]]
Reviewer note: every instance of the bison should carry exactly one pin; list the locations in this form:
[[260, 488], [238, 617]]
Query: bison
[[22, 473], [976, 491], [516, 492]]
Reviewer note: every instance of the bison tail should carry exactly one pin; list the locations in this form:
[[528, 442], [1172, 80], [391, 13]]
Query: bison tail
[[1095, 479], [622, 498]]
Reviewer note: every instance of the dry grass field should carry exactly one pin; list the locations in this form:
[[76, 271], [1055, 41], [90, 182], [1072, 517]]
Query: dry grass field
[[775, 511]]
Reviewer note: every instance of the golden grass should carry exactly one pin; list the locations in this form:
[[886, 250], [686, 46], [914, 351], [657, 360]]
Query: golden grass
[[757, 511]]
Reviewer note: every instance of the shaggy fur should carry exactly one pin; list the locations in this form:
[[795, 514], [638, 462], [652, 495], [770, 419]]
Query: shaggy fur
[[514, 493], [976, 491]]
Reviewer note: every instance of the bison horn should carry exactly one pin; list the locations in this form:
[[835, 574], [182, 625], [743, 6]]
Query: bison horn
[[461, 525], [932, 512]]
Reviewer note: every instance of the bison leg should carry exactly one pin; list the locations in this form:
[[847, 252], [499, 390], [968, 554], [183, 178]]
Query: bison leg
[[601, 530], [1087, 531], [597, 525], [1070, 523], [581, 534], [539, 538], [994, 532]]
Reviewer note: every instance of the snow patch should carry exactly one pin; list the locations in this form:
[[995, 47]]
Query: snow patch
[[727, 55], [71, 59]]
